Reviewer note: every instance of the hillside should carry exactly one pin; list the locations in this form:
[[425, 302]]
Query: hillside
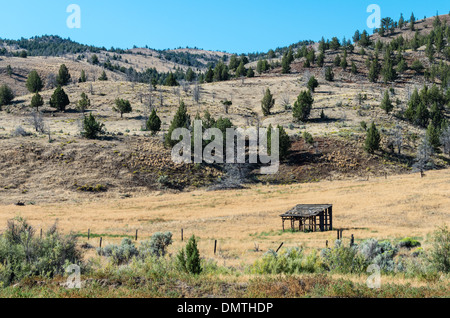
[[336, 122]]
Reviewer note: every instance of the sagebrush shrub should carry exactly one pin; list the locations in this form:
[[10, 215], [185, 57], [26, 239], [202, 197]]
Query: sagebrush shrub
[[22, 254], [156, 246]]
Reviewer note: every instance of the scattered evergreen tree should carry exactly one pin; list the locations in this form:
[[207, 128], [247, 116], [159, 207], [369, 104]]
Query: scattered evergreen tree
[[189, 259], [321, 60], [267, 103], [83, 103], [373, 139], [374, 71], [59, 99], [83, 77], [303, 105], [284, 142], [329, 74], [34, 82], [312, 84], [180, 120], [386, 103], [63, 76], [154, 122], [354, 70], [37, 101], [241, 71], [171, 80], [209, 76], [190, 75], [6, 95], [123, 106], [94, 59], [433, 134], [103, 77], [344, 63], [9, 70], [91, 127], [389, 73], [412, 21], [417, 66], [250, 72]]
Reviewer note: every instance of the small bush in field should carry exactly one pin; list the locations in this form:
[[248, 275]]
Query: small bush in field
[[120, 254], [188, 258], [440, 250], [156, 246], [408, 242], [23, 254]]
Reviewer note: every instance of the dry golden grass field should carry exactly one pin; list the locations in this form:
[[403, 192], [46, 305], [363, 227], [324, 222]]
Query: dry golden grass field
[[393, 208]]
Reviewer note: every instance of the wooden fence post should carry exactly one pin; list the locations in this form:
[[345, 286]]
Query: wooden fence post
[[101, 239], [326, 244], [89, 234], [279, 247], [215, 246], [41, 234], [181, 235], [352, 240], [136, 235]]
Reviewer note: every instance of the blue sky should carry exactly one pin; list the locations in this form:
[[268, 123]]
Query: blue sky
[[238, 26]]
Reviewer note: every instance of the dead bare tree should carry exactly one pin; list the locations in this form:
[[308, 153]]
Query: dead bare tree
[[445, 140], [285, 100], [196, 93], [37, 121]]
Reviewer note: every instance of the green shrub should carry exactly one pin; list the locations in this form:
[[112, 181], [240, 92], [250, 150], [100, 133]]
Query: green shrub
[[287, 261], [408, 242], [440, 250], [189, 258], [23, 255], [343, 259], [156, 246], [119, 254]]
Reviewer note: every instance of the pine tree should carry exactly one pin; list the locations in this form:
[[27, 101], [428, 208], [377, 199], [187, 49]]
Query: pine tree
[[193, 264], [250, 72], [234, 62], [154, 122], [171, 80], [9, 70], [389, 73], [329, 74], [374, 71], [209, 76], [103, 77], [63, 77], [190, 75], [320, 60], [37, 101], [83, 103], [284, 142], [241, 71], [354, 70], [94, 59], [34, 83], [267, 103], [91, 127], [386, 103], [83, 78], [412, 20], [6, 95], [180, 120], [302, 106], [59, 99], [433, 134], [312, 84], [123, 106], [344, 62], [373, 139]]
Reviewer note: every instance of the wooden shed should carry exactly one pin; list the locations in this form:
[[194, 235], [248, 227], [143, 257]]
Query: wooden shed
[[310, 217]]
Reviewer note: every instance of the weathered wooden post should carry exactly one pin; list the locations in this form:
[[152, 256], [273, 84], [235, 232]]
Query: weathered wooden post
[[326, 244], [181, 235], [41, 234], [352, 240], [136, 238], [215, 246], [101, 239], [89, 234], [279, 247]]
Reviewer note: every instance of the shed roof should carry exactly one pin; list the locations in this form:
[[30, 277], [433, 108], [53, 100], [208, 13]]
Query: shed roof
[[306, 210]]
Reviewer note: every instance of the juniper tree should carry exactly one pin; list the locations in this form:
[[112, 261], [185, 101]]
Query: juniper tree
[[91, 128], [180, 120], [171, 80], [123, 106], [34, 82], [59, 99], [312, 84], [284, 142], [83, 77], [103, 77], [6, 95], [329, 74], [374, 71], [303, 105], [63, 76], [354, 70], [9, 70], [389, 73], [267, 103], [83, 103], [154, 122], [386, 103], [373, 139], [37, 101]]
